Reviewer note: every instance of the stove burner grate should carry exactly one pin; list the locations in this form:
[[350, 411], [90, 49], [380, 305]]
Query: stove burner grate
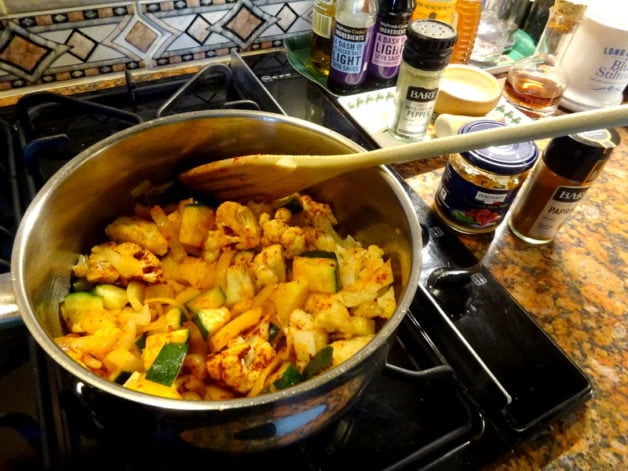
[[212, 87]]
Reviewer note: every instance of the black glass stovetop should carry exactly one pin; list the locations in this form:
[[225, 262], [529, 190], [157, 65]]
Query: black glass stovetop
[[486, 377]]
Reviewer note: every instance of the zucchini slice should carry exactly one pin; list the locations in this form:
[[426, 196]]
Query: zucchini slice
[[113, 297], [319, 362], [318, 269], [138, 382], [82, 301], [167, 364], [211, 298], [75, 304], [210, 320], [289, 377], [140, 342], [120, 376], [155, 342], [292, 202]]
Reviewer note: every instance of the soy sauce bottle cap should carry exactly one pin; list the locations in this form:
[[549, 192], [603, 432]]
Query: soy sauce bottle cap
[[429, 44], [575, 156]]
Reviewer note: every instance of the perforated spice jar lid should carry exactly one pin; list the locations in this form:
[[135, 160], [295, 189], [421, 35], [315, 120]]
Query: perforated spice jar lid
[[507, 159], [429, 45]]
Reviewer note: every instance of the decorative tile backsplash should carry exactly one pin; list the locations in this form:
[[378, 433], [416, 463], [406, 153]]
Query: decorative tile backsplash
[[97, 38]]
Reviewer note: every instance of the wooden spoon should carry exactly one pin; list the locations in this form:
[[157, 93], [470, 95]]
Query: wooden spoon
[[264, 177]]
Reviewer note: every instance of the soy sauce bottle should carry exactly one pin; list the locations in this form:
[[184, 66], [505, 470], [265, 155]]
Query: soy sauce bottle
[[390, 36], [351, 48]]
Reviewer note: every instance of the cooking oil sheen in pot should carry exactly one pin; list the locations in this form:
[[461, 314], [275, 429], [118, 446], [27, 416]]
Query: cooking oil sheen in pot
[[478, 186]]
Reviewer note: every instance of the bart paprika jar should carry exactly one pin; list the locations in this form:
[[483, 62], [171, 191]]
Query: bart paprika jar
[[478, 186]]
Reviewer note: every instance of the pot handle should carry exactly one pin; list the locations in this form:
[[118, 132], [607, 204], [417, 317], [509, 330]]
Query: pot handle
[[435, 372], [9, 314]]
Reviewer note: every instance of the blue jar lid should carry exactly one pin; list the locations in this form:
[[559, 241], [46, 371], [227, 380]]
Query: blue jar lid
[[508, 159]]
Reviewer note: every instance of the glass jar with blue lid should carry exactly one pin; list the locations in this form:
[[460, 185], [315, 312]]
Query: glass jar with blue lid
[[478, 186]]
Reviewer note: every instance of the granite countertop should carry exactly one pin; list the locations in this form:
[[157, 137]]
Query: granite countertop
[[575, 288]]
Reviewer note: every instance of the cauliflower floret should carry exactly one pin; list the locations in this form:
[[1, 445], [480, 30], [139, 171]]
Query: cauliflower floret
[[269, 266], [272, 230], [305, 336], [330, 314], [240, 364], [110, 262], [283, 214], [291, 238], [325, 237], [318, 214], [293, 241], [212, 246], [363, 274], [95, 268], [140, 231], [346, 348], [238, 224], [259, 209]]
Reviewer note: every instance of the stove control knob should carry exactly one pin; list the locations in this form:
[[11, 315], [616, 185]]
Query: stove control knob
[[452, 288]]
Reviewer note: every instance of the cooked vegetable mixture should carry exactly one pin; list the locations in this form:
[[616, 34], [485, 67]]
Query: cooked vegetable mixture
[[193, 302]]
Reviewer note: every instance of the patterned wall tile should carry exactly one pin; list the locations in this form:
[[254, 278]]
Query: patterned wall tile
[[79, 41], [207, 28], [22, 6], [98, 38]]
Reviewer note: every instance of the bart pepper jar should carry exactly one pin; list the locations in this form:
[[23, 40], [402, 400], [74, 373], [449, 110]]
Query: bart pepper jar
[[478, 186]]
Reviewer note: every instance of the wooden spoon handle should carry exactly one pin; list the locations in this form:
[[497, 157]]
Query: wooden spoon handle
[[542, 128]]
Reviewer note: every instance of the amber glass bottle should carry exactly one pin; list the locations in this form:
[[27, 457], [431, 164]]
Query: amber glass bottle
[[536, 83], [468, 18], [443, 10]]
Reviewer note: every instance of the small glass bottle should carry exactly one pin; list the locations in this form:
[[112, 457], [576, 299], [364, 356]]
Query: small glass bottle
[[558, 183], [390, 36], [323, 13], [443, 10], [535, 84], [426, 54], [469, 12], [478, 186], [513, 12], [354, 30], [536, 18], [491, 36]]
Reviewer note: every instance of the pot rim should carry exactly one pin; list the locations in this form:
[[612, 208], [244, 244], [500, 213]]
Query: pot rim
[[45, 341]]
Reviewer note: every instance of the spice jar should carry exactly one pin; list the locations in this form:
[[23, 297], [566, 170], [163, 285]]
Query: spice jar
[[478, 186], [425, 55], [559, 182]]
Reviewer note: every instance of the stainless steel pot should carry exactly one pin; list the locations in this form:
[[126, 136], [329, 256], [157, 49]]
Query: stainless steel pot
[[68, 216]]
